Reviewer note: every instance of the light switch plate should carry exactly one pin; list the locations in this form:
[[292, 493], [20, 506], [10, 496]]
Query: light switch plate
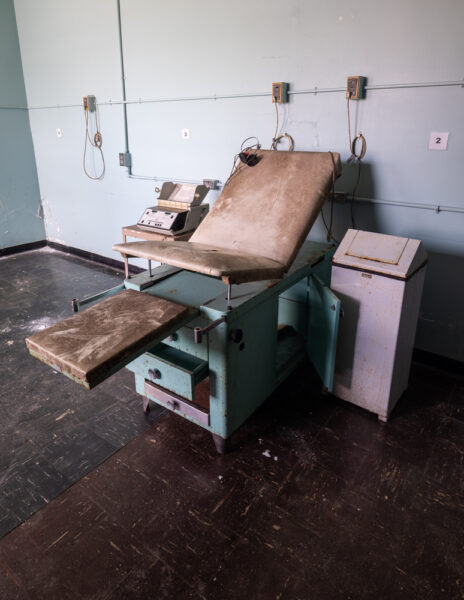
[[185, 134], [438, 141]]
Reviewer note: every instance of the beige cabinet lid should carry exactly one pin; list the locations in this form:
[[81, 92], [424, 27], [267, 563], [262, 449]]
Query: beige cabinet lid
[[376, 246], [380, 253]]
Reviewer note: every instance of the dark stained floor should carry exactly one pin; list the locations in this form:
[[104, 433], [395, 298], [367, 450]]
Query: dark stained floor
[[318, 500], [52, 431]]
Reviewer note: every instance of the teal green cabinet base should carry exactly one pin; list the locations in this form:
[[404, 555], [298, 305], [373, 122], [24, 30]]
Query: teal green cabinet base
[[253, 343]]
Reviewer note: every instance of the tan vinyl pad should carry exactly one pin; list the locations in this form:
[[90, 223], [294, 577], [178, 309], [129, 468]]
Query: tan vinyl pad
[[235, 267], [258, 224], [90, 346]]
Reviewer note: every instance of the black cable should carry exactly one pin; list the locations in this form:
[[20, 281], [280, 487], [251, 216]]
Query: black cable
[[353, 194], [331, 195], [355, 157]]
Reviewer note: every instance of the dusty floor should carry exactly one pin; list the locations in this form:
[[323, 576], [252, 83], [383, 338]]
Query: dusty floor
[[52, 431], [317, 500]]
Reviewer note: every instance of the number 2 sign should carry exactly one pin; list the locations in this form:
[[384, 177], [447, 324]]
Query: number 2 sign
[[438, 141]]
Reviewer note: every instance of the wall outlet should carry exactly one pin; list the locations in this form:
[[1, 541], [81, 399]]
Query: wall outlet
[[438, 141], [59, 133], [356, 87], [185, 134], [280, 92]]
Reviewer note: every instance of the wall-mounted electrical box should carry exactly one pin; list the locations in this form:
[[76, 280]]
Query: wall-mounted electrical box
[[280, 92], [211, 184], [356, 87], [125, 159], [90, 103]]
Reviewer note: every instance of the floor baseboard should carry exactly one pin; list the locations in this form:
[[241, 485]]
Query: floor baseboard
[[22, 248], [96, 258], [439, 362]]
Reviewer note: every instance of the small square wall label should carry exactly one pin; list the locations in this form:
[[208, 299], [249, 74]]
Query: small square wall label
[[438, 141]]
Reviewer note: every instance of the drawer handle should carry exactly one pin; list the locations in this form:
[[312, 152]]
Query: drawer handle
[[173, 404], [154, 373]]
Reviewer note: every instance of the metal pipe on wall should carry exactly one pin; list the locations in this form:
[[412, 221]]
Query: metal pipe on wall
[[315, 91], [123, 80], [156, 178], [437, 208]]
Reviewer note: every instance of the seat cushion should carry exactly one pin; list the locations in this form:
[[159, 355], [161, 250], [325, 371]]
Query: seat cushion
[[90, 346], [231, 266]]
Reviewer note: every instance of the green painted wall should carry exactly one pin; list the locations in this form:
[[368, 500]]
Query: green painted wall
[[20, 222], [184, 49]]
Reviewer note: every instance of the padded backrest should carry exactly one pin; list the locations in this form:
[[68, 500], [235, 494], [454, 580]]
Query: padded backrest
[[268, 209]]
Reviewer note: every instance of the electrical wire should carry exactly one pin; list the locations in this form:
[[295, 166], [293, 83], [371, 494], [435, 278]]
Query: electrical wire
[[353, 195], [356, 158], [287, 136], [352, 142], [237, 165], [276, 139], [349, 121], [276, 127], [234, 169], [96, 142], [256, 145], [331, 195]]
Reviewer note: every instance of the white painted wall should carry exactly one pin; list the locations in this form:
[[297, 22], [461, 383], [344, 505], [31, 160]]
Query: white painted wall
[[184, 48]]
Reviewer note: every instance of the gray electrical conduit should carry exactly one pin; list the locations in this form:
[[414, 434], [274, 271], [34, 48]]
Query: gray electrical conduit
[[438, 208], [125, 103], [315, 90], [123, 81]]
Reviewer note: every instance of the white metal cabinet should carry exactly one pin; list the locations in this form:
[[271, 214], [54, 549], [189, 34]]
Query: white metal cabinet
[[379, 280]]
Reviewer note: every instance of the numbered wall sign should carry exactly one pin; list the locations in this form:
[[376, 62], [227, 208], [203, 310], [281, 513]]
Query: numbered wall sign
[[438, 141]]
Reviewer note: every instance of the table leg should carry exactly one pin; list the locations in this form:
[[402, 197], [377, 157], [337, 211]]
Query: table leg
[[126, 260]]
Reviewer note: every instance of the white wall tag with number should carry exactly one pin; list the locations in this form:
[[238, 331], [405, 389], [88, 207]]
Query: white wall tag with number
[[438, 141]]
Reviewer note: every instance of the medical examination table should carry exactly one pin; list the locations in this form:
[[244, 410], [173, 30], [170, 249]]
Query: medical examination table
[[233, 311]]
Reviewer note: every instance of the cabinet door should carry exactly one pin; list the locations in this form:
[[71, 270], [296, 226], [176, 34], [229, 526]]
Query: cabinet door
[[324, 316]]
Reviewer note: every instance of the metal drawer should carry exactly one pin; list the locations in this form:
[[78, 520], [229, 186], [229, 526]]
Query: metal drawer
[[176, 403], [172, 369]]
